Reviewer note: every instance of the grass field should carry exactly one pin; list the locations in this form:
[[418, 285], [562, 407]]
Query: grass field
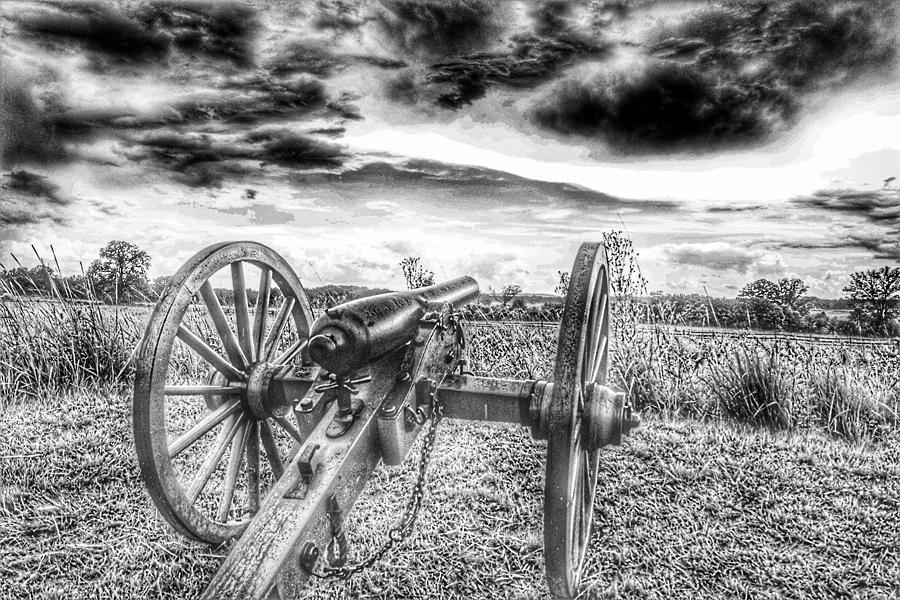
[[686, 509], [712, 498]]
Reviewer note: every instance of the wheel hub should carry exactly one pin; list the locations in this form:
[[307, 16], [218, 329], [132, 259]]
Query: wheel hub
[[606, 416], [259, 401]]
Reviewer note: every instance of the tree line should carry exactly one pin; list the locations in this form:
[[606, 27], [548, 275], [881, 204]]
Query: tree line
[[119, 276]]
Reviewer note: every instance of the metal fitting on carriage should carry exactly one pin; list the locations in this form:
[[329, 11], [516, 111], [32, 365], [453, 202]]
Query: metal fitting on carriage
[[308, 557], [305, 466]]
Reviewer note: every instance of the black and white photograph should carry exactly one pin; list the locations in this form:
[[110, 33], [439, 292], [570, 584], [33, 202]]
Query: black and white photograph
[[450, 299]]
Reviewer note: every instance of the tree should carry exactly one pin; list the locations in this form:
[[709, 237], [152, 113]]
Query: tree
[[762, 289], [786, 293], [625, 277], [761, 313], [790, 292], [509, 292], [120, 274], [562, 288], [22, 281], [416, 275], [159, 284], [875, 293]]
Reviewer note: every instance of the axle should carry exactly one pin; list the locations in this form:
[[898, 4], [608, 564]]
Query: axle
[[525, 402]]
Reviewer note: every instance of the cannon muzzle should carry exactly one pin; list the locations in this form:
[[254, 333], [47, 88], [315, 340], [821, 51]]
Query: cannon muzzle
[[352, 334]]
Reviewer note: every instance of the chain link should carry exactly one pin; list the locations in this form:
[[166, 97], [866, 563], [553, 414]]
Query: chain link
[[404, 528]]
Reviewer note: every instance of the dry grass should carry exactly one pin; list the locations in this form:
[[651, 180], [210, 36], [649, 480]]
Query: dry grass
[[755, 388], [785, 384], [686, 509], [48, 347]]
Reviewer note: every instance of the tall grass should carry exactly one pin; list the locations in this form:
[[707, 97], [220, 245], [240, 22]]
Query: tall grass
[[849, 407], [48, 346], [755, 387], [852, 391], [52, 345]]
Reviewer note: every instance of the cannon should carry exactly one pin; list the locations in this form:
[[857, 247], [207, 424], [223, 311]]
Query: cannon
[[326, 401]]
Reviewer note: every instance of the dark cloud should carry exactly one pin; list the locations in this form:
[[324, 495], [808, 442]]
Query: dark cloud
[[725, 75], [714, 256], [531, 59], [663, 107], [885, 245], [221, 30], [828, 42], [316, 58], [305, 57], [458, 76], [707, 28], [34, 185], [503, 188], [148, 33], [97, 27], [796, 44], [344, 108], [878, 206], [438, 27], [192, 159], [198, 160], [551, 16], [288, 149], [735, 209], [338, 15], [402, 88], [28, 199], [255, 97], [26, 135]]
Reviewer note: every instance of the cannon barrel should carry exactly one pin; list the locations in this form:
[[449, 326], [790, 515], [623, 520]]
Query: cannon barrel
[[350, 335]]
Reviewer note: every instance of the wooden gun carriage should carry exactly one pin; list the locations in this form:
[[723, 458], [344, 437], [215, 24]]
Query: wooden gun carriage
[[326, 401]]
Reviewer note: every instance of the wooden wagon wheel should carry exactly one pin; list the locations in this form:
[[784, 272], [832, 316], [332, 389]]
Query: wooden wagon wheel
[[572, 460], [186, 420]]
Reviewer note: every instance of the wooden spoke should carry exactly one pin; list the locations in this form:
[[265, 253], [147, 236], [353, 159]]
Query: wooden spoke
[[595, 323], [273, 455], [288, 427], [235, 458], [203, 426], [262, 309], [208, 354], [253, 469], [232, 348], [200, 390], [598, 362], [212, 461], [281, 319], [291, 353], [587, 495], [241, 310]]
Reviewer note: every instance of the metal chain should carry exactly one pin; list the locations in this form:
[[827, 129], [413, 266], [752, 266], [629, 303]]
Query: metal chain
[[404, 528]]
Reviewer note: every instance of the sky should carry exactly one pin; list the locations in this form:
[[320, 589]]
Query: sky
[[730, 140]]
